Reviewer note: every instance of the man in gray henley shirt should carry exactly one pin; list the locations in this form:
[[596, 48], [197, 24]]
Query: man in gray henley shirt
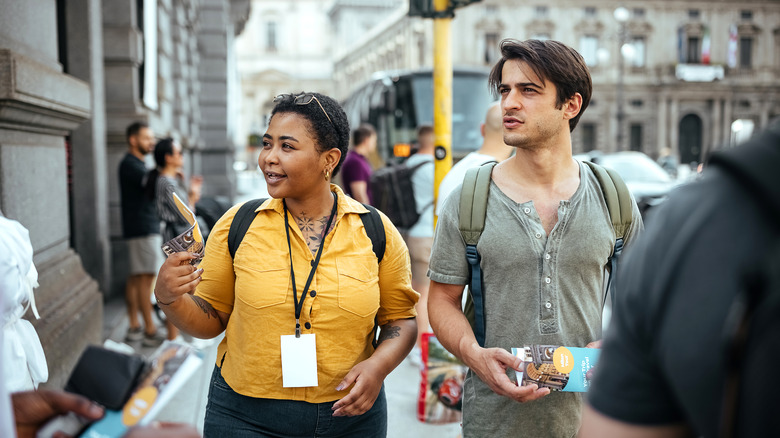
[[544, 248]]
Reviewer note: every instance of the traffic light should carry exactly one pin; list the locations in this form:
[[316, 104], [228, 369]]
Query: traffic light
[[425, 9]]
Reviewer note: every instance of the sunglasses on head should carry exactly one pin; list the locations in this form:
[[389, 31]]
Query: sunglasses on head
[[303, 99]]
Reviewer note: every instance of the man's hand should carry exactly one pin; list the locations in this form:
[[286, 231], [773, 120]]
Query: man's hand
[[176, 277], [367, 377], [490, 364], [163, 430], [32, 409], [594, 344]]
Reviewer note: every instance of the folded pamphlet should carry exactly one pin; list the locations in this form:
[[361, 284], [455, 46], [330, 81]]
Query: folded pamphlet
[[171, 366], [555, 367], [190, 240]]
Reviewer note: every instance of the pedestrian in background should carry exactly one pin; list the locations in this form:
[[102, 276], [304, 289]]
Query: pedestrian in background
[[493, 149], [356, 170], [335, 387], [419, 237], [163, 180], [141, 230], [544, 248], [695, 331]]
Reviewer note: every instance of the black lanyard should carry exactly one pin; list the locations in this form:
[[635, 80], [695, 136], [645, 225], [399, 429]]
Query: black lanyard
[[314, 264]]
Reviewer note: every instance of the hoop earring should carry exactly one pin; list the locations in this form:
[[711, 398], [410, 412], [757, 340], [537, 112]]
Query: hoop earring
[[327, 175]]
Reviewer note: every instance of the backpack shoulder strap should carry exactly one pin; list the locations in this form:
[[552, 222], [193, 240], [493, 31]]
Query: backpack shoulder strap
[[375, 230], [472, 212], [241, 221], [617, 196], [473, 202]]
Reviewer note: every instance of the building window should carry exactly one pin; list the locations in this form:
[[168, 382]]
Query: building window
[[588, 137], [541, 11], [693, 52], [492, 52], [491, 9], [639, 13], [590, 12], [746, 52], [635, 137], [589, 47], [540, 36], [638, 52], [636, 103], [746, 15], [270, 36], [693, 14]]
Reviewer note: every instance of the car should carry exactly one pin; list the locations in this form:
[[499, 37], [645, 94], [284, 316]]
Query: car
[[647, 181]]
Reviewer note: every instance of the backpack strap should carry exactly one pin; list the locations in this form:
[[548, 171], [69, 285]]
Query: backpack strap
[[472, 212], [619, 205], [375, 230], [241, 222]]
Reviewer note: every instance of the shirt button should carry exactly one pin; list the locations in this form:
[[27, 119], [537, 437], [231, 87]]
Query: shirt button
[[526, 210], [308, 325], [547, 256], [313, 293], [538, 235], [547, 305], [547, 280]]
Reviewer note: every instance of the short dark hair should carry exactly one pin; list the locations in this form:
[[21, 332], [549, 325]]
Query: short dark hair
[[552, 61], [424, 130], [362, 133], [330, 128], [134, 129]]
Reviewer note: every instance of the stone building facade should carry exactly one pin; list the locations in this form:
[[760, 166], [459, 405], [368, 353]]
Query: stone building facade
[[694, 73], [73, 75]]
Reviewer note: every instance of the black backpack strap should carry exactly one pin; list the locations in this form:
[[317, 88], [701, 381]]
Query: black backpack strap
[[375, 230], [241, 222]]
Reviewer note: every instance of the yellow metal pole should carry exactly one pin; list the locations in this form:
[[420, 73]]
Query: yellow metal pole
[[442, 97]]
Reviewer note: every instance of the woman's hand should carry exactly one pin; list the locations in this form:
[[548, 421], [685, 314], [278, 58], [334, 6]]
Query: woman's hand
[[367, 377], [176, 278]]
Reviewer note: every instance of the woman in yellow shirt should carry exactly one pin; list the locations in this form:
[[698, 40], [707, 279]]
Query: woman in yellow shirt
[[298, 304]]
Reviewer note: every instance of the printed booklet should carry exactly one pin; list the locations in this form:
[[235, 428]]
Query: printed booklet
[[171, 366], [555, 367]]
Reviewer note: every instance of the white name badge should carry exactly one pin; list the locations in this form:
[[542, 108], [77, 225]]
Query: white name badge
[[299, 361]]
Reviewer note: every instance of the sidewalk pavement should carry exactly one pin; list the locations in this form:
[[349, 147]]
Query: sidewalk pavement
[[189, 403]]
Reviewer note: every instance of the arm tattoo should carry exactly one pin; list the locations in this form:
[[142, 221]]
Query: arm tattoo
[[388, 332], [205, 307]]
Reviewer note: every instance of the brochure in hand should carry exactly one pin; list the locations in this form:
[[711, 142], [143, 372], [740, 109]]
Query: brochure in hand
[[171, 366], [190, 240], [555, 367]]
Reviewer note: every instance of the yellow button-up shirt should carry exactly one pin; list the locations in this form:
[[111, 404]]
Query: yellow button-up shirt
[[348, 291]]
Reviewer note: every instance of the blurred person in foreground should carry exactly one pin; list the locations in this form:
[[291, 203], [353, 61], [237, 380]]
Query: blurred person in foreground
[[544, 248], [674, 362], [493, 149], [262, 299], [141, 230], [356, 170], [164, 179]]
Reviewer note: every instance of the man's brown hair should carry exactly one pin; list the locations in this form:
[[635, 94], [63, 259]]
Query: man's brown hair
[[551, 61]]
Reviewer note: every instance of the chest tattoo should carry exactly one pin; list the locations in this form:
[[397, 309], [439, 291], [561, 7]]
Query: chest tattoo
[[313, 230]]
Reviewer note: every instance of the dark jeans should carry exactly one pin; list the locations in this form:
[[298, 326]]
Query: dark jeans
[[229, 414]]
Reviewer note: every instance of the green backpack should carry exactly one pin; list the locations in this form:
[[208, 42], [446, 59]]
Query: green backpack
[[472, 211]]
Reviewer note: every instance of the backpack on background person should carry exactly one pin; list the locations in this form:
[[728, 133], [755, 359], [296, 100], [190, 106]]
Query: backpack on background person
[[393, 194]]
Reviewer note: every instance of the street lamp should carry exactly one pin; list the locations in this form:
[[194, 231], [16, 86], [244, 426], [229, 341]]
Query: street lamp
[[621, 15]]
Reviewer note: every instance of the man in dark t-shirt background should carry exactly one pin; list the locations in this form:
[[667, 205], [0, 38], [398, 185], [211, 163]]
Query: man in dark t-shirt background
[[663, 368], [141, 230], [356, 170]]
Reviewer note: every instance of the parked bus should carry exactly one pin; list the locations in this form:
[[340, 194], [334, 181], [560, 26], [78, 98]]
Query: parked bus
[[397, 102]]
